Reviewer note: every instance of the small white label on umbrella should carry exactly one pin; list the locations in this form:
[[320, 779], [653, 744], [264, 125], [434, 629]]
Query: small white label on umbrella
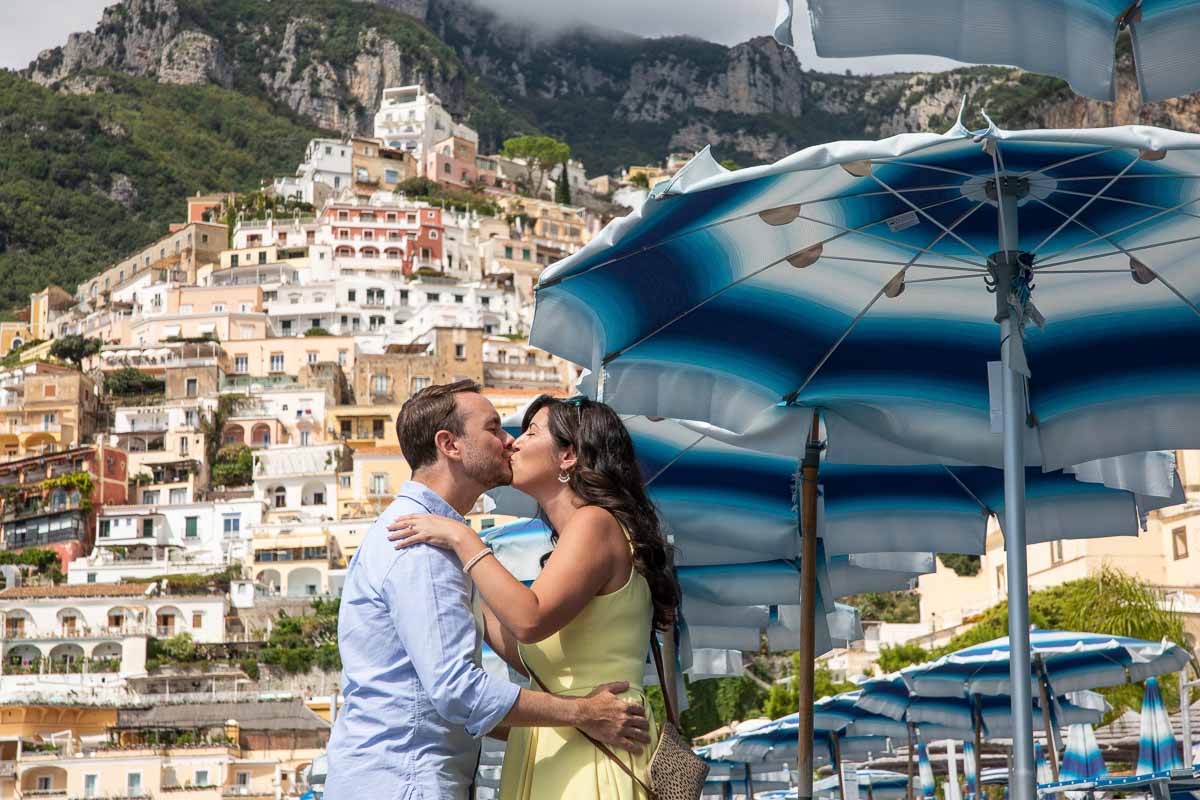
[[902, 222]]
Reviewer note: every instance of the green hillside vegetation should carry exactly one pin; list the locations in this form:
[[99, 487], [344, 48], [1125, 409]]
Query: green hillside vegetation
[[60, 155]]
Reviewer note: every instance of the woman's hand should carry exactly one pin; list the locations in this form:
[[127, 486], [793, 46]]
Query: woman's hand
[[432, 529]]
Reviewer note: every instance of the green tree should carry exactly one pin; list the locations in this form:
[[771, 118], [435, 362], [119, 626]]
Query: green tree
[[894, 657], [234, 466], [562, 189], [212, 428], [75, 348], [729, 164], [784, 697], [316, 332], [297, 644], [640, 179], [130, 381], [962, 563], [540, 153], [901, 606]]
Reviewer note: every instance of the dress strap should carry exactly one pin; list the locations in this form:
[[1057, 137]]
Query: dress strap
[[628, 538]]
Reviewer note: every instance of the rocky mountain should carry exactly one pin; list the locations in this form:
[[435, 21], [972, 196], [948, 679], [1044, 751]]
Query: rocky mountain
[[617, 98]]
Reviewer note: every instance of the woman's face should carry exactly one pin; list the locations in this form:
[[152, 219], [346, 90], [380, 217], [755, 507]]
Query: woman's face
[[536, 459]]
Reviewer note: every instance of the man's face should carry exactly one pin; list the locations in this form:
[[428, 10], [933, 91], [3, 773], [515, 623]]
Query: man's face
[[486, 447]]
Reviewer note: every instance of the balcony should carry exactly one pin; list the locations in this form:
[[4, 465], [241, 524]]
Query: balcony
[[44, 793], [8, 769], [74, 634], [38, 427]]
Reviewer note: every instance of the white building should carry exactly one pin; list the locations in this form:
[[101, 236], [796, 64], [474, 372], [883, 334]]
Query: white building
[[300, 483], [324, 172], [413, 119], [144, 541], [50, 629]]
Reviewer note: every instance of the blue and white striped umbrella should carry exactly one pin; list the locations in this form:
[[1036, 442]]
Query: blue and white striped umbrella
[[1075, 41], [1082, 760], [969, 773], [1157, 748], [1073, 661], [928, 787], [1044, 775], [889, 696], [855, 276], [878, 784]]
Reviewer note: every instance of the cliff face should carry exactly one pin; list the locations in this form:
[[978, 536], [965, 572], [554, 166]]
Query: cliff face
[[617, 98]]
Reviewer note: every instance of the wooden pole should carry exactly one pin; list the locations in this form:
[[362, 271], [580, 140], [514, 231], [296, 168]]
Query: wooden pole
[[809, 472], [1051, 749]]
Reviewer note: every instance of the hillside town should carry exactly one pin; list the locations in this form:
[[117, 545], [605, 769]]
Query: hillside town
[[196, 440]]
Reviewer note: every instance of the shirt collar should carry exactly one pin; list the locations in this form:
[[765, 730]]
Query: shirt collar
[[431, 500]]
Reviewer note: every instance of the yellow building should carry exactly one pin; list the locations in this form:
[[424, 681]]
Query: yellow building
[[44, 408], [13, 334], [45, 307], [180, 252], [288, 355]]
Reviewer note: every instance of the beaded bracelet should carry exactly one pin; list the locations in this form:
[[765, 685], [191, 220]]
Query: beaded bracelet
[[487, 551]]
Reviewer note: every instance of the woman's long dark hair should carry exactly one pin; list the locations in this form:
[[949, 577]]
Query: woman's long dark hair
[[607, 475]]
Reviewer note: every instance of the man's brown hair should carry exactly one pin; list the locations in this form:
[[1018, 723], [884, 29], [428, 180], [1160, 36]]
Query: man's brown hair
[[430, 410]]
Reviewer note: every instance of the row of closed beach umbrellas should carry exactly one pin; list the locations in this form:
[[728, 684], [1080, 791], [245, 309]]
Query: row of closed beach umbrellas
[[837, 364]]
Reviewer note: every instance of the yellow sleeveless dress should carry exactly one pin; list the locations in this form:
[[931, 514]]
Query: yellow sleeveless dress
[[606, 642]]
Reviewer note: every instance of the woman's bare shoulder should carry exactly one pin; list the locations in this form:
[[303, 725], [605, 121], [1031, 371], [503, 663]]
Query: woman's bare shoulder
[[594, 523]]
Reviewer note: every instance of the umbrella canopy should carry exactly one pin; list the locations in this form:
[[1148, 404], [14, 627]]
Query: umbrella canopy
[[889, 696], [1044, 774], [879, 784], [870, 264], [928, 787], [1082, 760], [1072, 661], [1075, 41], [1157, 748]]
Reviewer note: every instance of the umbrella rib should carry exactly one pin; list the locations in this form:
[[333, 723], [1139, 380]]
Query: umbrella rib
[[1085, 206], [971, 494], [717, 223], [927, 216], [1183, 298], [855, 259], [919, 165], [1070, 160], [858, 318], [675, 460], [1124, 201], [943, 278], [1116, 252], [844, 231], [892, 242], [1124, 228]]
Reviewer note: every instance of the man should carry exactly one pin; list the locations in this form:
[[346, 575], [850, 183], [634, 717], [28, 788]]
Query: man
[[416, 700]]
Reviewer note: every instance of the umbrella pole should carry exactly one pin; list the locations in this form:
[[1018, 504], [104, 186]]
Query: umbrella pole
[[809, 470], [1023, 779], [1051, 739], [909, 793], [837, 764]]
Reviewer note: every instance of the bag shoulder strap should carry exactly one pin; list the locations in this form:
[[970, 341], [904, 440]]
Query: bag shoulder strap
[[662, 680], [602, 747]]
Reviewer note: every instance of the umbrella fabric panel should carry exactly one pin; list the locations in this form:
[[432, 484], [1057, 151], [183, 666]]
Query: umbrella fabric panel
[[1073, 661], [928, 787], [714, 258], [969, 773], [1157, 748], [1082, 760]]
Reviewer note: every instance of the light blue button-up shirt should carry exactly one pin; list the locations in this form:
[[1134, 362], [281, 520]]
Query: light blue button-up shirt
[[416, 699]]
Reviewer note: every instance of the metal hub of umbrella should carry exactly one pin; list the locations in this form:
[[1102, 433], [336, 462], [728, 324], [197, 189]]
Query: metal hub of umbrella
[[977, 297]]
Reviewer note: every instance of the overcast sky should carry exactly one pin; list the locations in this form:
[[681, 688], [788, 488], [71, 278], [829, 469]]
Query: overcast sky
[[31, 26]]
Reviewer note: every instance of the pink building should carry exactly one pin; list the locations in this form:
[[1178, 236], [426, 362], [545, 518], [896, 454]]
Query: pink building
[[405, 233]]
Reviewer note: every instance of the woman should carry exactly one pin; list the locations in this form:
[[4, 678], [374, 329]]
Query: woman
[[586, 620]]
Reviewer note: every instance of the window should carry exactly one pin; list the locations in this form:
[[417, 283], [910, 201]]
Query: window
[[133, 784], [419, 383], [148, 524], [460, 351], [150, 497], [280, 497], [342, 356], [201, 778], [446, 167], [177, 497], [276, 362], [286, 326], [1056, 552], [197, 619], [44, 783], [49, 390], [1001, 585], [90, 788], [486, 302], [379, 384], [352, 295], [189, 416], [191, 527], [218, 308], [192, 387], [487, 522], [305, 438], [433, 234], [232, 524], [241, 364], [233, 260], [91, 577], [377, 429], [391, 176], [1179, 543], [243, 779], [458, 298], [404, 295], [183, 445], [379, 484], [432, 297], [105, 529], [344, 481], [311, 355], [525, 253]]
